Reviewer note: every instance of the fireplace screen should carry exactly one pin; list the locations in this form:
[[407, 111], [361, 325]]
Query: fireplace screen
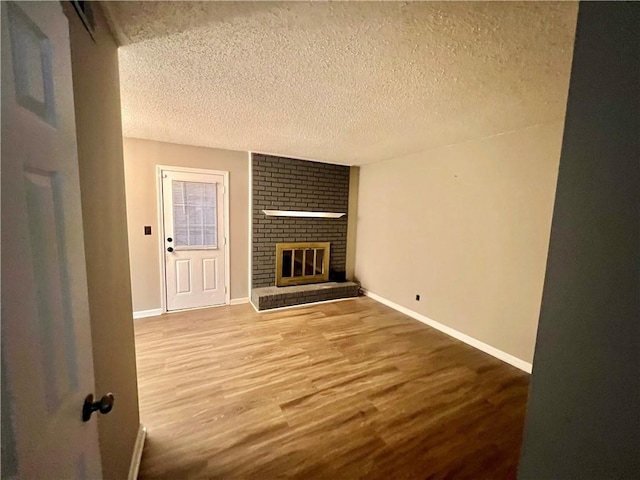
[[299, 263]]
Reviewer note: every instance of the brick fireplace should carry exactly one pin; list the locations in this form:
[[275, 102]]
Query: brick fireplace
[[285, 184]]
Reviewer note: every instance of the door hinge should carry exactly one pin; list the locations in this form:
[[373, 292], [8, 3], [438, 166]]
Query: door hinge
[[225, 240], [225, 289]]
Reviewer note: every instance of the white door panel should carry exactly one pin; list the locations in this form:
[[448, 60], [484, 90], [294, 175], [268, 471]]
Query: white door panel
[[209, 272], [47, 363], [183, 276], [194, 239]]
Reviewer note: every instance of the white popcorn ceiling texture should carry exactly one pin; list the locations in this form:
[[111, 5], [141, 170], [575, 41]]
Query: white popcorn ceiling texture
[[349, 83]]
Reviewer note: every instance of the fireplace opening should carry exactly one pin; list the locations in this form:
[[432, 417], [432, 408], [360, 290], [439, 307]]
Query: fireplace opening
[[302, 262]]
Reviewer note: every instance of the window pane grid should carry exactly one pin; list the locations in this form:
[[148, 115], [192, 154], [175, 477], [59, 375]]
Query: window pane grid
[[194, 214]]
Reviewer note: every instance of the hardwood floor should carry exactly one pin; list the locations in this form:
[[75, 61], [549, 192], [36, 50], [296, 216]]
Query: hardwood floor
[[350, 389]]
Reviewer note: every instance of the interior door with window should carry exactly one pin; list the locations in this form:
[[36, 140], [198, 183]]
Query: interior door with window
[[47, 359], [194, 239]]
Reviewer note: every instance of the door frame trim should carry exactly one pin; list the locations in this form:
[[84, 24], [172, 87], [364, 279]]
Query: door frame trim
[[250, 226], [160, 218]]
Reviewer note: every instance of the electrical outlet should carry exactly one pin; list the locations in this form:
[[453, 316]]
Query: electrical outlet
[[417, 298]]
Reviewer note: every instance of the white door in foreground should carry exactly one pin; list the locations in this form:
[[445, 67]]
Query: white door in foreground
[[194, 239], [47, 362]]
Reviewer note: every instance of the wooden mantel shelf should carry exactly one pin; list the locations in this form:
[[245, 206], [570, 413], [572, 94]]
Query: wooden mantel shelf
[[294, 213]]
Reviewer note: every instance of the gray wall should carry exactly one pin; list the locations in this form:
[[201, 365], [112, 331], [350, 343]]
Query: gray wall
[[288, 184], [584, 403]]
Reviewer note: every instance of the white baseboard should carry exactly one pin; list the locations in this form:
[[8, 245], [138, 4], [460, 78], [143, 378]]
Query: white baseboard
[[147, 313], [137, 453], [239, 301], [499, 354]]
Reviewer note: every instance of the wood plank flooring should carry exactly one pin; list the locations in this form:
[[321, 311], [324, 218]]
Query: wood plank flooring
[[350, 389]]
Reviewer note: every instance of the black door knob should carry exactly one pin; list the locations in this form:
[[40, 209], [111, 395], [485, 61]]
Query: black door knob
[[169, 239], [104, 405], [170, 249]]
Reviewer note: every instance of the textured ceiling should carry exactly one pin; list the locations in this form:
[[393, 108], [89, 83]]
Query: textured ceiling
[[351, 82]]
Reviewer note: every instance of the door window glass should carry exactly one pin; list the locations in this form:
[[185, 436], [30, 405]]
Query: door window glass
[[194, 214]]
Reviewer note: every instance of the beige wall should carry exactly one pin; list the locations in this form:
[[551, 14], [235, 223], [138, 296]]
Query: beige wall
[[99, 130], [141, 158], [466, 227]]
